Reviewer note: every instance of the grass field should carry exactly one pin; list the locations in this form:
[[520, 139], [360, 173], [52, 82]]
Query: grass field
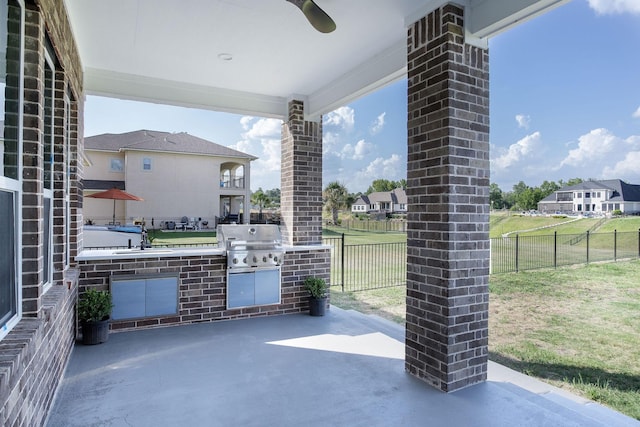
[[168, 238]]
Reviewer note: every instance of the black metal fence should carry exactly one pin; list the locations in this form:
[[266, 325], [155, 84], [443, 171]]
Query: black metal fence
[[367, 266], [518, 253], [392, 225], [370, 266]]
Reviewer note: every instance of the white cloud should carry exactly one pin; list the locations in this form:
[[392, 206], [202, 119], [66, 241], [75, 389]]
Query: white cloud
[[519, 151], [343, 117], [356, 152], [592, 146], [245, 121], [626, 169], [636, 114], [604, 7], [264, 128], [523, 121], [263, 140], [378, 124], [383, 168]]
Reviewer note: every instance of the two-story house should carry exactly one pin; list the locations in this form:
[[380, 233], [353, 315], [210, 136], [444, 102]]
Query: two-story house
[[594, 196], [178, 175]]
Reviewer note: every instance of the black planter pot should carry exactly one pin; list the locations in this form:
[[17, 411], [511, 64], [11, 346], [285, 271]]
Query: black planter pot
[[317, 306], [95, 332]]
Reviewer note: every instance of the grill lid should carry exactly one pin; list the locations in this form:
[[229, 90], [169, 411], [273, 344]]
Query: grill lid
[[249, 236]]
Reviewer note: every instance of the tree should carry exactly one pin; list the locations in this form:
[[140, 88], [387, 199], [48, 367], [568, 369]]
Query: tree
[[382, 185], [548, 187], [335, 197], [261, 199], [495, 197], [572, 181], [274, 196]]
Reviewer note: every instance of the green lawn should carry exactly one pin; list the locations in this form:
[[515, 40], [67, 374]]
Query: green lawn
[[168, 238]]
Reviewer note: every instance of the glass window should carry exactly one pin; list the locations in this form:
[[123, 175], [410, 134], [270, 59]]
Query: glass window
[[49, 97], [116, 165], [11, 97], [8, 280], [146, 163]]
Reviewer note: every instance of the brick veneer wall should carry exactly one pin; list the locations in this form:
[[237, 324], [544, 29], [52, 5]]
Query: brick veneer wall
[[33, 358], [301, 178], [448, 203], [34, 354], [202, 285]]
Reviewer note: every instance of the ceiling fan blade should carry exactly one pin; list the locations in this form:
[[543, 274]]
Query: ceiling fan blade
[[317, 17]]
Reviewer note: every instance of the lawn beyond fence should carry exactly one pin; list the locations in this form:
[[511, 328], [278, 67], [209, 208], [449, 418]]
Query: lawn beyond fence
[[357, 267]]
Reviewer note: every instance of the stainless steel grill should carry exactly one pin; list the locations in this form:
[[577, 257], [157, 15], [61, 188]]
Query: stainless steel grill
[[251, 246], [254, 256]]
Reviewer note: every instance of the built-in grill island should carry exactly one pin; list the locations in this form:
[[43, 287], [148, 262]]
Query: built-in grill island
[[254, 258]]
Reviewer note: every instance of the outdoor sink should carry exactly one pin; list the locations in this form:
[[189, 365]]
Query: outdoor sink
[[146, 251]]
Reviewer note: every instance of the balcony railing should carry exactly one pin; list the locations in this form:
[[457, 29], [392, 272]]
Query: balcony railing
[[232, 183]]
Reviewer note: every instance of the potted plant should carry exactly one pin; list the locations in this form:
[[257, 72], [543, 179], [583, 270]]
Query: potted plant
[[94, 311], [318, 294]]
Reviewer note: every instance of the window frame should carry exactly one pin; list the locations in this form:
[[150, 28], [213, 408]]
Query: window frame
[[144, 163], [111, 163], [47, 193], [14, 187]]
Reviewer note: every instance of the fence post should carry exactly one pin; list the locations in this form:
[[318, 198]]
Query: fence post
[[555, 249], [615, 245], [342, 263], [587, 246], [517, 248]]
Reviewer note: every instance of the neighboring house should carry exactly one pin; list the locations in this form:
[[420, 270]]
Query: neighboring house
[[176, 174], [391, 202], [594, 196]]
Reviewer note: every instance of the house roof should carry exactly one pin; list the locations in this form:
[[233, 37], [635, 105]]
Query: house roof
[[622, 191], [252, 56], [397, 196], [150, 140]]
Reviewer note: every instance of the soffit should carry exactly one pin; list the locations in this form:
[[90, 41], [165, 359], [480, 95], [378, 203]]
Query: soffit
[[169, 51]]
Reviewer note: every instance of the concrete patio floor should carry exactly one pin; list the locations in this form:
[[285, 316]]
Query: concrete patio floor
[[344, 369]]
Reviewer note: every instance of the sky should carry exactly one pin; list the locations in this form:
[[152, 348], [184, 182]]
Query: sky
[[564, 100]]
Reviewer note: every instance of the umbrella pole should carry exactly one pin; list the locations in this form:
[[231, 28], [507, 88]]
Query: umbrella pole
[[114, 212]]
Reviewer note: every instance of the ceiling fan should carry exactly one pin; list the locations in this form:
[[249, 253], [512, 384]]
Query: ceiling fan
[[317, 17]]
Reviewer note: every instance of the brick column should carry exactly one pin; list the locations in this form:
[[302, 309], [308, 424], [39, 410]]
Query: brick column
[[301, 178], [448, 209]]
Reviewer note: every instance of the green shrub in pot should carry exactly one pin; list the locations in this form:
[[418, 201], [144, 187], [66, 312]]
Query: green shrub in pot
[[318, 293], [94, 311]]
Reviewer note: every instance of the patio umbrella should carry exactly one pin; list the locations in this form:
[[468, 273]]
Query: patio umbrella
[[115, 194]]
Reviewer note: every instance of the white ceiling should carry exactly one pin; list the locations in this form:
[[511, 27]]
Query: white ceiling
[[169, 51]]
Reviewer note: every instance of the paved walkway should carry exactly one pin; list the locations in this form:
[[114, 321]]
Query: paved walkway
[[344, 369]]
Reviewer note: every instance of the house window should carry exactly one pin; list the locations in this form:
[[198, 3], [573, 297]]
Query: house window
[[49, 102], [146, 163], [116, 165], [67, 185], [11, 85]]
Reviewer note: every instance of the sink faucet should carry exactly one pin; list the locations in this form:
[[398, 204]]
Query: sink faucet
[[143, 241]]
